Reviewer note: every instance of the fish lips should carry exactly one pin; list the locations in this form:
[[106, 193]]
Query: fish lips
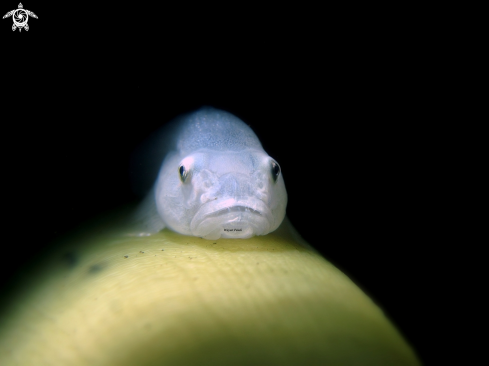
[[232, 218]]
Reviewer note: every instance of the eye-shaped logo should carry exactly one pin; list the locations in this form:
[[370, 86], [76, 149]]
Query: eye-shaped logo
[[20, 17]]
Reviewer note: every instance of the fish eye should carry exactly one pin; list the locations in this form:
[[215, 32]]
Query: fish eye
[[183, 173], [274, 170], [185, 168]]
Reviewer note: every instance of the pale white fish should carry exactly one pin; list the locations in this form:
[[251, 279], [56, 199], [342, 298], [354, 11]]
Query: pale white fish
[[215, 180]]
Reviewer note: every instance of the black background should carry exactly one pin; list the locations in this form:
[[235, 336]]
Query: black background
[[345, 103]]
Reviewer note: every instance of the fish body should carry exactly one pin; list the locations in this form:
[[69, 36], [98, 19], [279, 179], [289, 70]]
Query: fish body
[[215, 180]]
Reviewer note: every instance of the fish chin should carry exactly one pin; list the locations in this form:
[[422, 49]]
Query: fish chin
[[232, 218]]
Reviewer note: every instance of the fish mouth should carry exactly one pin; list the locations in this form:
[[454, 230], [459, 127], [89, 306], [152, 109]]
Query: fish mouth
[[232, 218]]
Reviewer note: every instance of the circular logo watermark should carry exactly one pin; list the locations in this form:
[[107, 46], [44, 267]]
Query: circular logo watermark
[[20, 17]]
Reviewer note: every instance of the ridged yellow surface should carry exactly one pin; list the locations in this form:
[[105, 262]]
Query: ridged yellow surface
[[110, 299]]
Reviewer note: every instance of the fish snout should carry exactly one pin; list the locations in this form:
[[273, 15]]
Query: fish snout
[[235, 185], [233, 206]]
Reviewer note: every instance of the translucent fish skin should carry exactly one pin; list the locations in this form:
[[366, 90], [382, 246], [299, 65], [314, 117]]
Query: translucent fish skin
[[215, 180]]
